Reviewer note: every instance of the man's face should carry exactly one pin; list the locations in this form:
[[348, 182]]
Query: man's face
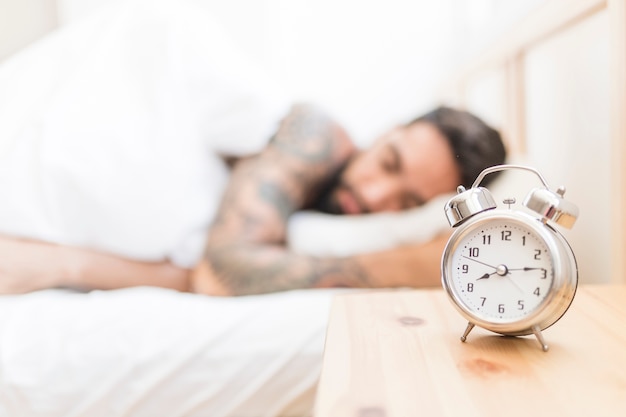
[[404, 168]]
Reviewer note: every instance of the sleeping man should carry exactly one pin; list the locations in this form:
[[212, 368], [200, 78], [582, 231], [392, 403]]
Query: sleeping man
[[311, 163], [153, 157]]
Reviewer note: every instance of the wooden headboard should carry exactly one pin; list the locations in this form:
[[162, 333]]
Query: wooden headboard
[[555, 85]]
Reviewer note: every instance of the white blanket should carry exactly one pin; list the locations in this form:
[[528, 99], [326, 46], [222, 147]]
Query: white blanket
[[153, 352], [111, 130]]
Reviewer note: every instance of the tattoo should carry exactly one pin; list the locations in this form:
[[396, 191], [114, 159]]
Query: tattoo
[[277, 197], [305, 134], [257, 270], [355, 275], [246, 242]]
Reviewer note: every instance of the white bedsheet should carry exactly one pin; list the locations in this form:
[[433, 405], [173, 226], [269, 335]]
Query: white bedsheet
[[153, 352]]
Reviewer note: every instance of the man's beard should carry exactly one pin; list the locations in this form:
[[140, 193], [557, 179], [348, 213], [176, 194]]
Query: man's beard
[[326, 201]]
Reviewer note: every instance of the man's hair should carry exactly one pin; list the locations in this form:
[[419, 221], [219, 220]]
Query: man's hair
[[475, 145]]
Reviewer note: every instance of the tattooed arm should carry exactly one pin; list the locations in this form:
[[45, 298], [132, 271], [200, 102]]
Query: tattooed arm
[[246, 252]]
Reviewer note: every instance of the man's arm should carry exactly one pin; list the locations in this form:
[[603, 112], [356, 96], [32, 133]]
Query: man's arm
[[246, 251], [407, 266], [28, 265]]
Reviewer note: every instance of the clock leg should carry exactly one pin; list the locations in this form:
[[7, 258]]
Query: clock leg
[[468, 329], [537, 331]]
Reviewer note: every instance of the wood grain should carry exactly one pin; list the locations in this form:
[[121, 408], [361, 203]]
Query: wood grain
[[398, 353]]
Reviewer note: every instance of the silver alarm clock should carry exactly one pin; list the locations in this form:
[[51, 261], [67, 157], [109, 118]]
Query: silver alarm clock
[[504, 269]]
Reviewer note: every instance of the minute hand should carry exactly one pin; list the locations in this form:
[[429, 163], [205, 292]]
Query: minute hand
[[480, 262]]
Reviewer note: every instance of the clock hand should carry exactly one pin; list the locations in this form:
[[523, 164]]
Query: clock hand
[[476, 260], [515, 283], [501, 270], [486, 276], [526, 268]]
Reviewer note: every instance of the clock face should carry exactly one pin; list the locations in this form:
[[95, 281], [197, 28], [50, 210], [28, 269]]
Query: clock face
[[501, 270]]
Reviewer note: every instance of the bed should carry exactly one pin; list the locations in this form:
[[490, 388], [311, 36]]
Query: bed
[[148, 351]]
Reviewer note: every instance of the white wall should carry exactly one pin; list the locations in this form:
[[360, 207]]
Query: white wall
[[568, 132], [479, 23], [23, 21]]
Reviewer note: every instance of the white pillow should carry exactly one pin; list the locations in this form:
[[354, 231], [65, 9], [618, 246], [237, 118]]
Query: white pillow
[[320, 234]]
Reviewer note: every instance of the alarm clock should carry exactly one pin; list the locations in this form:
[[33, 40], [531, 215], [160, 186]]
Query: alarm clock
[[507, 269]]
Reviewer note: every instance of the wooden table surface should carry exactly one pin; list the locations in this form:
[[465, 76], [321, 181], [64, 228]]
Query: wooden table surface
[[398, 354]]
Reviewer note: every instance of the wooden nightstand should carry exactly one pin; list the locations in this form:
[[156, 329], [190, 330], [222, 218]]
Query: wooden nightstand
[[398, 354]]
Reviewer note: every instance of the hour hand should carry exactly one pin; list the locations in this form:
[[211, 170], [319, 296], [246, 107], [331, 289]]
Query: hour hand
[[485, 276]]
